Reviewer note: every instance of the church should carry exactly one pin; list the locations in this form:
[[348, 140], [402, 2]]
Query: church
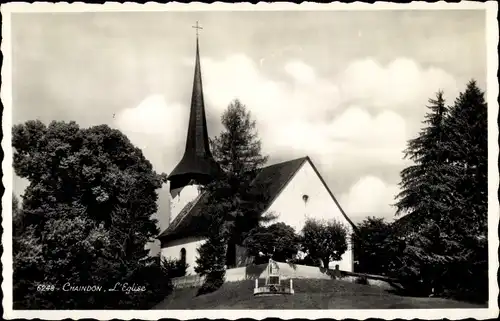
[[295, 193]]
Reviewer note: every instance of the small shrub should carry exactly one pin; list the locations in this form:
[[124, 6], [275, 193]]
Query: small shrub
[[174, 268], [213, 282], [361, 280], [156, 284]]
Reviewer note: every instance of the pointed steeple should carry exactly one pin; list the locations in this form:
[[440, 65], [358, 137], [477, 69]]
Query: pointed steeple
[[197, 165]]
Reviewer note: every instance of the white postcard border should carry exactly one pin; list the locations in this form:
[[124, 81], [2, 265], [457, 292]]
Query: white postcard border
[[492, 91]]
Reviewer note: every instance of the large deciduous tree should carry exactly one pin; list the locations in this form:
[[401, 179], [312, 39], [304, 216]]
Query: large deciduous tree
[[325, 240], [277, 241], [371, 246], [86, 217], [17, 216]]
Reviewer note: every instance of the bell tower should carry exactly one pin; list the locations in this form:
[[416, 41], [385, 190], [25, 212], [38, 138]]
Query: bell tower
[[197, 166]]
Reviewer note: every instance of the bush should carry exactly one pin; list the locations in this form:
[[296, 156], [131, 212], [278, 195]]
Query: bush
[[155, 280], [324, 240], [361, 280], [371, 246], [174, 268], [213, 282]]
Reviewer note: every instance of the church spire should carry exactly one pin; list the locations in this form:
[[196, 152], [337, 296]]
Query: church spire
[[197, 164]]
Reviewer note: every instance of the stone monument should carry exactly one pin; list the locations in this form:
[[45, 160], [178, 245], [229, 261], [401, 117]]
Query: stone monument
[[273, 285]]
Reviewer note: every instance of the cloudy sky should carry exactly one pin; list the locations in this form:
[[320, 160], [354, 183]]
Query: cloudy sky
[[346, 88]]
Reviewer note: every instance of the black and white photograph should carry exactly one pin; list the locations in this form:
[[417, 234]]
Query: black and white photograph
[[201, 161]]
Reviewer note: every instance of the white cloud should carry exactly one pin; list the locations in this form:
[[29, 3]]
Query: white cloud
[[300, 72], [400, 84], [294, 116], [157, 128], [268, 99], [369, 196]]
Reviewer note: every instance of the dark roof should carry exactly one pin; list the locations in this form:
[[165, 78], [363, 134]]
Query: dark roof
[[197, 163], [274, 178]]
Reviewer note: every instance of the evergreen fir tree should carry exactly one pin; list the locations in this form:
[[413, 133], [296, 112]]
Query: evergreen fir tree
[[445, 193], [238, 151], [467, 219], [468, 146], [424, 190], [234, 204], [211, 260]]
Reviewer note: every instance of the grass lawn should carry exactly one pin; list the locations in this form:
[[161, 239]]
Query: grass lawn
[[309, 294]]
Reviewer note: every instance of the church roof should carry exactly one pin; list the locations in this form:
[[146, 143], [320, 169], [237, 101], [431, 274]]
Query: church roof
[[274, 178], [197, 163]]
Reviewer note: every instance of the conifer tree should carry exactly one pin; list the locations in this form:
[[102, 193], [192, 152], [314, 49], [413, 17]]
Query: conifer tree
[[468, 146], [423, 187], [238, 151], [445, 194], [234, 204], [467, 219], [211, 260], [427, 187]]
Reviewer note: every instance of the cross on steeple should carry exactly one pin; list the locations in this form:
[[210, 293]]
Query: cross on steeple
[[197, 164], [197, 27]]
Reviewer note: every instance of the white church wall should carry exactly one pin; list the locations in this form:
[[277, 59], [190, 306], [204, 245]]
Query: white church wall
[[293, 210], [181, 199], [190, 244], [163, 213], [162, 217]]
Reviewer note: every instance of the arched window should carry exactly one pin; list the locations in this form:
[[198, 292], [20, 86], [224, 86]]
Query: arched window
[[183, 255]]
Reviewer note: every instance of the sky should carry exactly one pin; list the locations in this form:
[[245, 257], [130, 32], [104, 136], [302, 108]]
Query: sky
[[346, 88]]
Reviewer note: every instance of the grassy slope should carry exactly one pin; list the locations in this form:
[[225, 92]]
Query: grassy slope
[[309, 294]]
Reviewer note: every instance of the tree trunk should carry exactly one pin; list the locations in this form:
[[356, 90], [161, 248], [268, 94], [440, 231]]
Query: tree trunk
[[231, 255], [326, 262]]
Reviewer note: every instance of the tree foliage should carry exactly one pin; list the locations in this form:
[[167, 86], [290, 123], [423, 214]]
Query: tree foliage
[[427, 177], [371, 249], [17, 216], [86, 217], [445, 196], [237, 150], [211, 260], [235, 205], [174, 268], [277, 241], [467, 130], [324, 240]]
